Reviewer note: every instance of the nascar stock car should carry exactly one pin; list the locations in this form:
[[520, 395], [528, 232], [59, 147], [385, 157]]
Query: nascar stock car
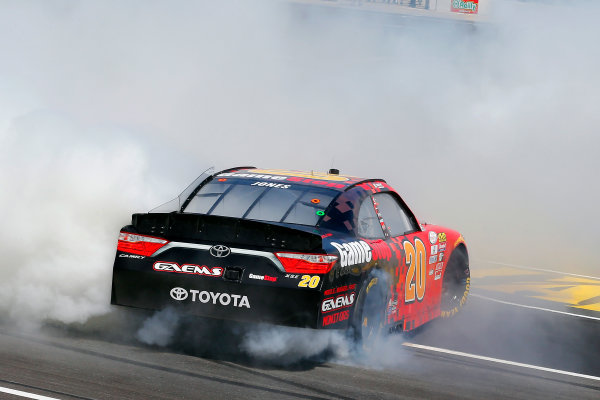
[[292, 248]]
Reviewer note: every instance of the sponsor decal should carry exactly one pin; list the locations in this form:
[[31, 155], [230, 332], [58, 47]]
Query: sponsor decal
[[334, 303], [441, 257], [353, 253], [292, 276], [291, 176], [254, 176], [134, 256], [204, 296], [316, 182], [219, 251], [386, 232], [263, 277], [441, 237], [336, 317], [340, 289], [442, 246], [432, 259], [382, 250], [299, 174], [272, 185], [433, 237], [430, 272], [465, 6], [193, 269], [434, 249], [438, 270], [378, 185], [392, 306]]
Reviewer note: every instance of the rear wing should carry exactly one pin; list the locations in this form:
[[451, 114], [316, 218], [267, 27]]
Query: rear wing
[[199, 228]]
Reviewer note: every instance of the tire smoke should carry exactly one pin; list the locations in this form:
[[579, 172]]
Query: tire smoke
[[288, 346], [63, 195], [160, 328]]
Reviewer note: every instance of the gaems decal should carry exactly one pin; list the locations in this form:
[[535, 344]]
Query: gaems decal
[[187, 269]]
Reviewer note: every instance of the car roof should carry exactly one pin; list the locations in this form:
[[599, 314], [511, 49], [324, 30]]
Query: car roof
[[310, 178]]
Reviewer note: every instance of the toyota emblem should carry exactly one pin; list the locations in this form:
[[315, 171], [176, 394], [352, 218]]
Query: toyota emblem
[[220, 251], [179, 294]]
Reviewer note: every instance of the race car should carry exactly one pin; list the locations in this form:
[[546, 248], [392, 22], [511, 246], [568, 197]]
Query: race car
[[305, 249]]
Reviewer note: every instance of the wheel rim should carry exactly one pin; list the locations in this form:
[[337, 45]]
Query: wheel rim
[[453, 291], [455, 285]]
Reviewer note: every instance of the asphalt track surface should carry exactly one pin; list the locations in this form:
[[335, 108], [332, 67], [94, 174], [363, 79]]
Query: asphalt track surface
[[67, 363]]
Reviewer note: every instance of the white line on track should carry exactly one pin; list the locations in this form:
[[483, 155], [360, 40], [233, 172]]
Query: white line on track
[[540, 269], [25, 394], [499, 361], [534, 308]]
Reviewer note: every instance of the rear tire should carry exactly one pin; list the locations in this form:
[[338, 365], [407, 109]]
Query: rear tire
[[456, 283], [369, 317]]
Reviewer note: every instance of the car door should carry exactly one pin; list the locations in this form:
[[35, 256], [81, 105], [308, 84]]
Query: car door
[[411, 302]]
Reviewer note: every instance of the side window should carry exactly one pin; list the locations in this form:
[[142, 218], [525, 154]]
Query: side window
[[396, 219], [369, 226]]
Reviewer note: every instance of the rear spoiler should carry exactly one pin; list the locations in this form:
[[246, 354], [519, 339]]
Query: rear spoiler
[[199, 228]]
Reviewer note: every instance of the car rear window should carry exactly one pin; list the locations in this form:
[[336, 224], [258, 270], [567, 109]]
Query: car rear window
[[262, 201]]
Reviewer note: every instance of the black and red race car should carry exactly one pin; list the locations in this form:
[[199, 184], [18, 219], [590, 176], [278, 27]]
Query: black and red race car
[[292, 248]]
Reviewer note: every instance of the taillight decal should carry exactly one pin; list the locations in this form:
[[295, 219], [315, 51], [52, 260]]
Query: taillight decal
[[307, 262], [142, 245]]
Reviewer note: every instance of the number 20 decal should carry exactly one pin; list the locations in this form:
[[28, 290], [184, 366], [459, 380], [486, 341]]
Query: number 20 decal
[[309, 281], [416, 276]]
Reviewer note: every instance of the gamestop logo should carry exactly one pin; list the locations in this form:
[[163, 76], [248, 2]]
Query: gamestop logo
[[263, 277], [187, 269], [341, 301], [353, 253], [204, 296]]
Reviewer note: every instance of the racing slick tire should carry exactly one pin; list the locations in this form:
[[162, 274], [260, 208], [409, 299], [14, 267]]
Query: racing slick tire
[[369, 318], [456, 283]]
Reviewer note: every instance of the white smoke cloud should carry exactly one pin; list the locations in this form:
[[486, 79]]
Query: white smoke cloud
[[112, 108], [159, 328], [63, 195], [284, 345]]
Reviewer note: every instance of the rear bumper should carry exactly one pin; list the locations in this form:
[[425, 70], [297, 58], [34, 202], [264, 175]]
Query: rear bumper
[[216, 298]]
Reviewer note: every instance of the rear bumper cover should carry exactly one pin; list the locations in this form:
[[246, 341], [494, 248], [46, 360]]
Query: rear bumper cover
[[216, 297]]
